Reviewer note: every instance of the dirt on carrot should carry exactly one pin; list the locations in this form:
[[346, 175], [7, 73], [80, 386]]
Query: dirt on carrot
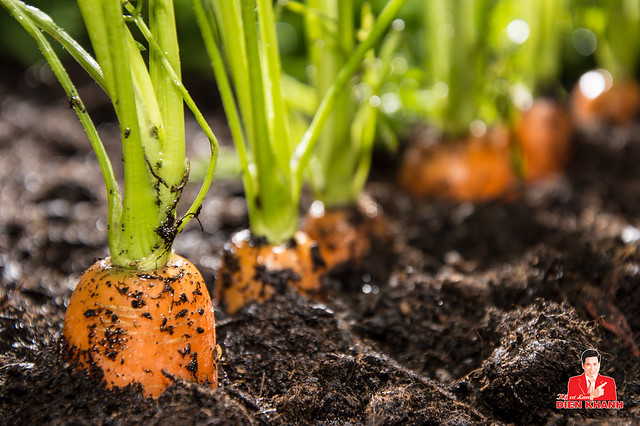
[[253, 270], [143, 327]]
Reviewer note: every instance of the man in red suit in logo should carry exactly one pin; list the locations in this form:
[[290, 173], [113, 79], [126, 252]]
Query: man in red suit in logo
[[590, 385]]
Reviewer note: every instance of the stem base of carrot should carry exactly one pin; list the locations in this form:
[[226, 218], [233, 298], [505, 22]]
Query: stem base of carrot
[[136, 325], [254, 271]]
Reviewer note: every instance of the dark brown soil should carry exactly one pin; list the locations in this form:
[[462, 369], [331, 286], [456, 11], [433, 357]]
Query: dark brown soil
[[476, 313]]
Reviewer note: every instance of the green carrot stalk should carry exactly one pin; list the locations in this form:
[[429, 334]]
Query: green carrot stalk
[[368, 120], [149, 106], [246, 63]]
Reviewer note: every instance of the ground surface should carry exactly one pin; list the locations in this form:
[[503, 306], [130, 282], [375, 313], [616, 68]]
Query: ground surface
[[475, 312]]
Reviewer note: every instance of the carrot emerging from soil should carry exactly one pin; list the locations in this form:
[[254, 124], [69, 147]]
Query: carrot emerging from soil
[[598, 99], [254, 270], [473, 169], [544, 134], [346, 236], [136, 325]]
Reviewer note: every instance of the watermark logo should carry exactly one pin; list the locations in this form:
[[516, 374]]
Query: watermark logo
[[590, 390]]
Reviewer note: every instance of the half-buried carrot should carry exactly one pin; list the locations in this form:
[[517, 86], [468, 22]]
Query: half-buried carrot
[[137, 326], [467, 157], [142, 315], [254, 270]]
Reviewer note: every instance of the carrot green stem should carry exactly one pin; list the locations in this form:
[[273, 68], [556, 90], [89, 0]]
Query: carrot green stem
[[272, 210], [330, 32], [45, 23], [188, 100], [534, 31], [133, 240], [367, 119], [206, 22], [163, 32], [305, 148], [342, 159]]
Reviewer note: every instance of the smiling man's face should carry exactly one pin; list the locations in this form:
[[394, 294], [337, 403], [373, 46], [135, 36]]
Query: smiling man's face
[[591, 366]]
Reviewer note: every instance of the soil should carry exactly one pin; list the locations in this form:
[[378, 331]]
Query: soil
[[475, 313]]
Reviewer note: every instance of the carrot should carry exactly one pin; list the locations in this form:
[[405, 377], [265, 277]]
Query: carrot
[[254, 270], [136, 325], [143, 313], [598, 99], [471, 161], [544, 134], [472, 169]]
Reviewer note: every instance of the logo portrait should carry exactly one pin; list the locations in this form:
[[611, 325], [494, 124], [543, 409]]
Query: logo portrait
[[590, 389], [591, 385]]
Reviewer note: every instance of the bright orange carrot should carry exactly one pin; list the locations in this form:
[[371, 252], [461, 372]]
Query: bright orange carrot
[[597, 98], [544, 134], [472, 169], [134, 325], [253, 270], [346, 235]]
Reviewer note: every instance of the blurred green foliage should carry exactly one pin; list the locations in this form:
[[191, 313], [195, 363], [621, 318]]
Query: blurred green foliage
[[565, 39], [19, 49]]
